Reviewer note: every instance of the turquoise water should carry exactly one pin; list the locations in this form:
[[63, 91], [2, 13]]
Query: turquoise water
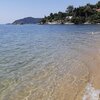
[[35, 60]]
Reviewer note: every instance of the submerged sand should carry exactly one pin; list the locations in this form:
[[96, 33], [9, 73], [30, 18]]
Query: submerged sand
[[80, 83], [72, 75]]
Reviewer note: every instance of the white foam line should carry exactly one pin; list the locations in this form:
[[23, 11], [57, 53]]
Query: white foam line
[[91, 93]]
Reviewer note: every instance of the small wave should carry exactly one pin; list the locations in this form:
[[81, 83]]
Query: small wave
[[93, 33], [91, 93]]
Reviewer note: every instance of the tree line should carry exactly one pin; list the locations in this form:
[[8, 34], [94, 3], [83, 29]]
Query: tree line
[[78, 15]]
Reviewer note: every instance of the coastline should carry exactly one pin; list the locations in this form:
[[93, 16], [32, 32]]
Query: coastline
[[68, 23]]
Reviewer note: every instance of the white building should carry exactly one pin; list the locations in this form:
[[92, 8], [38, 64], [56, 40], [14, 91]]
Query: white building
[[69, 17]]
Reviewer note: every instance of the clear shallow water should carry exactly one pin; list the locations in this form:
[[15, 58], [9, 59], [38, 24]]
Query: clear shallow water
[[46, 62]]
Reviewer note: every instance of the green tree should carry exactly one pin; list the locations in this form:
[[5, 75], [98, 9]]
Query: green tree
[[88, 11], [98, 5], [70, 9]]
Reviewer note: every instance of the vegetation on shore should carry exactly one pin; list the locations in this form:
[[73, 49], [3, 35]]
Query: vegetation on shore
[[84, 14]]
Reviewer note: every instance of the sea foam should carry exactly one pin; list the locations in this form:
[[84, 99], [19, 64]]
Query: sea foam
[[91, 93]]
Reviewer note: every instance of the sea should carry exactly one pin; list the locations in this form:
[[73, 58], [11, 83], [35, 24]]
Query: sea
[[49, 62]]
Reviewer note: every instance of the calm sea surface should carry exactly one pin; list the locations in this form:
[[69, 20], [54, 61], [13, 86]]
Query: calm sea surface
[[46, 62]]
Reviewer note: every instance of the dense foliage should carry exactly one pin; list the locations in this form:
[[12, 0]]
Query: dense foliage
[[88, 13]]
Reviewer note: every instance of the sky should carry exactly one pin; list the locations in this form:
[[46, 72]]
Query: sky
[[11, 10]]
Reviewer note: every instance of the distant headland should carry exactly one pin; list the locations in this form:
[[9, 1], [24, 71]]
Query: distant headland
[[27, 20], [88, 14]]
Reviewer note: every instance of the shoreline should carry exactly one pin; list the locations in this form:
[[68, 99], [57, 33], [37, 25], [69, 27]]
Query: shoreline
[[92, 88], [55, 23]]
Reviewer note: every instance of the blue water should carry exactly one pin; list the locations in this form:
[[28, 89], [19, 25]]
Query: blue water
[[37, 61]]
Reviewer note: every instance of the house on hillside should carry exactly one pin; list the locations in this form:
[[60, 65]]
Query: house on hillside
[[69, 17]]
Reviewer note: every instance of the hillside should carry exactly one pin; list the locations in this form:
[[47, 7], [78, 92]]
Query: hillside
[[27, 20], [88, 14]]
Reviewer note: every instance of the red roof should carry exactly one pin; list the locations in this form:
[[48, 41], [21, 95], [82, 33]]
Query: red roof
[[98, 10]]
